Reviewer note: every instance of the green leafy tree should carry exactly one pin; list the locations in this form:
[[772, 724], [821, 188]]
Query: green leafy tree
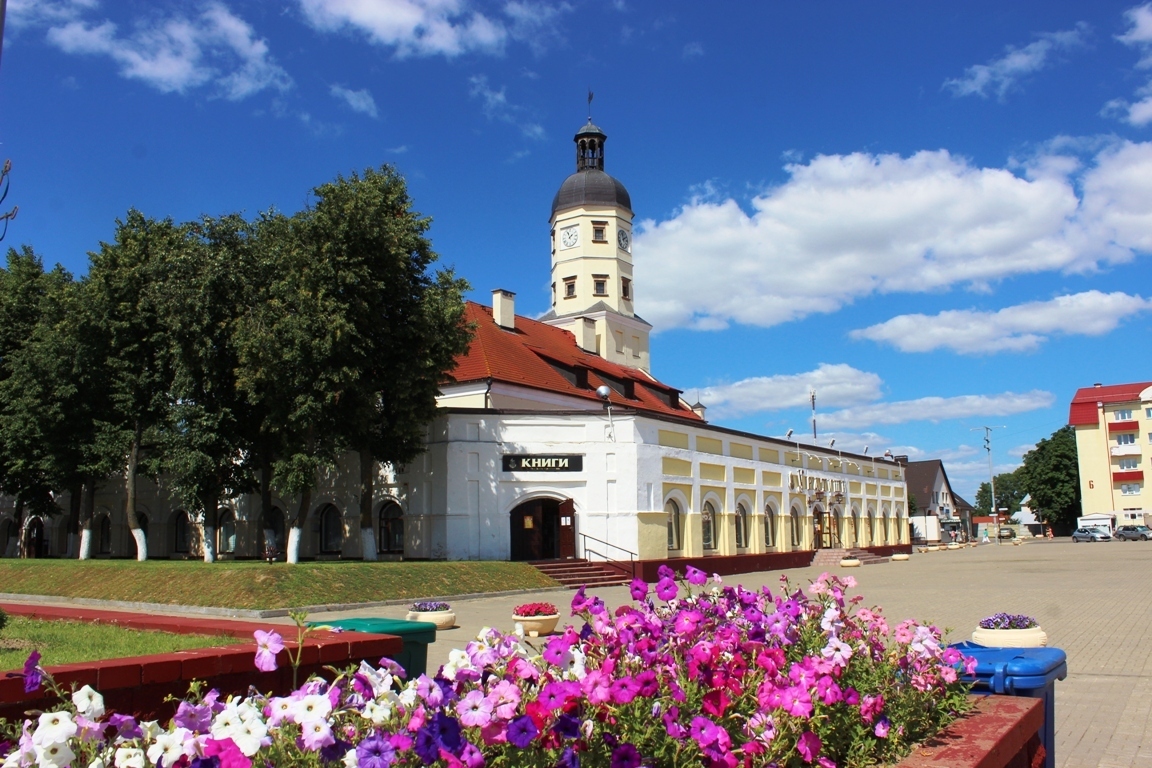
[[1051, 476], [206, 437], [126, 311], [405, 325], [1009, 494], [32, 435]]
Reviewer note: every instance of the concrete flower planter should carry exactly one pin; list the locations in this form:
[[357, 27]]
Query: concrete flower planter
[[1033, 637], [900, 557], [850, 562], [442, 619], [535, 626]]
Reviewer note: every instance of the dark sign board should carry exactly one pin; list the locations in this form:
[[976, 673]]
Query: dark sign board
[[544, 463]]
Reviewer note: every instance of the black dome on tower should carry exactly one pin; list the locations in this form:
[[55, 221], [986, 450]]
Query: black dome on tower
[[590, 185]]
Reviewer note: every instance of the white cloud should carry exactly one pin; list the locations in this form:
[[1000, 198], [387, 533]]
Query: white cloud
[[1018, 328], [496, 106], [412, 27], [835, 385], [1019, 450], [937, 409], [1139, 36], [1000, 75], [358, 101], [692, 50], [176, 54], [34, 13], [849, 226]]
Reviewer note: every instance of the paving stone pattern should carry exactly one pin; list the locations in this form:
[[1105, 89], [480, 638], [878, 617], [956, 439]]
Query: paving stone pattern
[[1091, 599]]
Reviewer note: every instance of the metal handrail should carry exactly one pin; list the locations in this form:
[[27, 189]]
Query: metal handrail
[[616, 563]]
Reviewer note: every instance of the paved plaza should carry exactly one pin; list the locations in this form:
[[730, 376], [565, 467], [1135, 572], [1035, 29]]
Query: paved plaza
[[1091, 599]]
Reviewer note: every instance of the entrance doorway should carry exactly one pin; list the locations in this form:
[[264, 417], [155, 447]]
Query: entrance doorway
[[821, 538], [543, 529]]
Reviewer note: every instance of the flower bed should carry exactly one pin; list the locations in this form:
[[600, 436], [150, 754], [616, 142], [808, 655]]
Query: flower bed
[[718, 676]]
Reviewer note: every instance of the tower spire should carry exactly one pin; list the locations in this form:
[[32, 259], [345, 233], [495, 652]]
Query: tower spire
[[590, 105]]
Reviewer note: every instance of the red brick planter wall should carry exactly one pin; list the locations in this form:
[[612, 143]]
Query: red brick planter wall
[[726, 565], [140, 684], [890, 549], [1000, 733]]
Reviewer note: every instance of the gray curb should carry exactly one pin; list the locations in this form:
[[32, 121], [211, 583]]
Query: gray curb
[[243, 613]]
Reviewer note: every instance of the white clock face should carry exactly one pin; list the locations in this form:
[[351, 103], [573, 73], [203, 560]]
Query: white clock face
[[569, 237], [623, 239]]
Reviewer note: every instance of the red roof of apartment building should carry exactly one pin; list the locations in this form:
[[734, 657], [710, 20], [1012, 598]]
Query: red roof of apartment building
[[1083, 408], [543, 357]]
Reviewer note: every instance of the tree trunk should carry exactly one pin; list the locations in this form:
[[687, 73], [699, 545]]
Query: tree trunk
[[88, 510], [367, 490], [130, 493], [74, 503], [293, 553], [17, 547], [208, 528]]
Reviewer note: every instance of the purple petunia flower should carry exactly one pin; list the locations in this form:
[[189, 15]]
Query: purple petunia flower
[[32, 674], [625, 756], [568, 759], [639, 589], [567, 726], [695, 576], [522, 731], [666, 589], [197, 719], [427, 746], [375, 752]]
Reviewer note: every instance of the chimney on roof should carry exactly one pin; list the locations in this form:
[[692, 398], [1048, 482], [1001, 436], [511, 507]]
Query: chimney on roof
[[504, 308], [586, 335], [900, 459], [1096, 384]]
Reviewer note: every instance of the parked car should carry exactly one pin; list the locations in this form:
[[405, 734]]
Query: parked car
[[1007, 533], [1133, 532], [1090, 534]]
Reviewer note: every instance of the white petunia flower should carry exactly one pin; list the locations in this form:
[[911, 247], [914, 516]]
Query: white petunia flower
[[351, 760], [312, 707], [54, 727], [169, 747], [88, 703], [378, 712], [129, 757], [55, 755], [248, 737]]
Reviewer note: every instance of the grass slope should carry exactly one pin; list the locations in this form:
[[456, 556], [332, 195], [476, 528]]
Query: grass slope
[[257, 585], [68, 642]]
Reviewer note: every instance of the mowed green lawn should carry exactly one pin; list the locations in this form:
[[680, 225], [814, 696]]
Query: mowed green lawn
[[257, 585], [67, 642]]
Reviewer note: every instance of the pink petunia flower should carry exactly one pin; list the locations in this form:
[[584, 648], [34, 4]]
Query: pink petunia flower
[[475, 710], [808, 745], [268, 644]]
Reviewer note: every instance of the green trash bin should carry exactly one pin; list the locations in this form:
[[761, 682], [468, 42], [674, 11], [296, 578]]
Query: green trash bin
[[417, 635]]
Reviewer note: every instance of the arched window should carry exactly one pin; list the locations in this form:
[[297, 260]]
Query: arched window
[[837, 516], [227, 533], [104, 536], [884, 526], [391, 528], [708, 526], [673, 510], [741, 527], [769, 526], [274, 529], [181, 532], [797, 536], [331, 530], [871, 525]]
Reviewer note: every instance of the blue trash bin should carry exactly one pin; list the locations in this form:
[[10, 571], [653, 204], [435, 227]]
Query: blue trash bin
[[1030, 672]]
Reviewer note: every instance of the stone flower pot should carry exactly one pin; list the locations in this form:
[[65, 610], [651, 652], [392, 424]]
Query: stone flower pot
[[899, 557], [1033, 637], [535, 626], [442, 619], [850, 562]]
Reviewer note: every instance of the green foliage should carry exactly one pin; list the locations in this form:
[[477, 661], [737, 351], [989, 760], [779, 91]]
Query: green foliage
[[1051, 476], [912, 508], [1009, 494], [3, 619]]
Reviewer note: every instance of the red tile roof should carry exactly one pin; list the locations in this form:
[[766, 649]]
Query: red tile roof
[[1083, 408], [525, 357]]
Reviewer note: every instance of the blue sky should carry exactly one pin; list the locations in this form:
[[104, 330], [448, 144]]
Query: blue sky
[[937, 216]]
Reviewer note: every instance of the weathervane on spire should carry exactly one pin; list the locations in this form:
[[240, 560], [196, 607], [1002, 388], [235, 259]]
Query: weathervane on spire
[[590, 105]]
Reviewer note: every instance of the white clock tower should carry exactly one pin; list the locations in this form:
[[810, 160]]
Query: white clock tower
[[592, 289]]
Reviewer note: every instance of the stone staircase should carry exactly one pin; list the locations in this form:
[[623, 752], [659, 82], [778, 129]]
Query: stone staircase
[[574, 573], [830, 558]]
